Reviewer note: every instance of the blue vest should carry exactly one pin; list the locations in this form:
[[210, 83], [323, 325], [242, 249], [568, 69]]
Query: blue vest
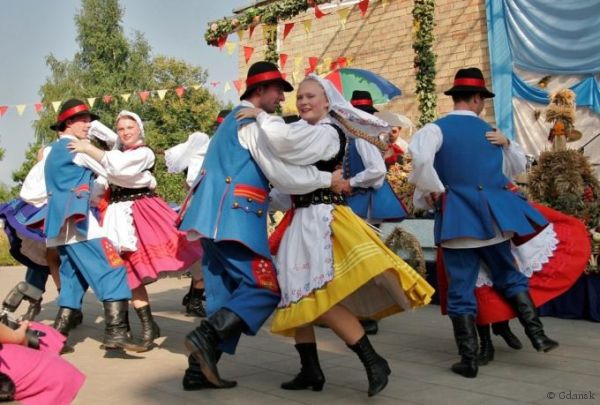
[[477, 194], [230, 198], [68, 188], [378, 204]]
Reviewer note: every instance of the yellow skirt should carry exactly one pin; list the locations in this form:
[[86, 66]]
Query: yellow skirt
[[369, 279]]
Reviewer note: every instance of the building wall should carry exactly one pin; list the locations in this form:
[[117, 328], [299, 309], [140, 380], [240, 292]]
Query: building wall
[[382, 42]]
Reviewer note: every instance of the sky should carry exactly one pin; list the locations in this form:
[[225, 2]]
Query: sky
[[30, 30]]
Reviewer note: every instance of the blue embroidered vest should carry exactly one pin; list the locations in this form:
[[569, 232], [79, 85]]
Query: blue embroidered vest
[[230, 198], [477, 194], [380, 204], [68, 188]]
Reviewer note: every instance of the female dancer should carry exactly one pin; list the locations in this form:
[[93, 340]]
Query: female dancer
[[332, 268], [138, 222]]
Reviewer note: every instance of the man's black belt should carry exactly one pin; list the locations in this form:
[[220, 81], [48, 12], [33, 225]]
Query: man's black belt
[[119, 194], [320, 196]]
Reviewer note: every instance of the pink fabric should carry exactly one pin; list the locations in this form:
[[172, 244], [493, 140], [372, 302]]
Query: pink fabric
[[53, 341], [41, 377], [161, 247]]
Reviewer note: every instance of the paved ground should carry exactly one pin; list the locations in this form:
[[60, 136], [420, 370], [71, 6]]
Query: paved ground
[[418, 345]]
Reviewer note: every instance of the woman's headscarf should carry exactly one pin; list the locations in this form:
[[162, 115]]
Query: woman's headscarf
[[136, 118]]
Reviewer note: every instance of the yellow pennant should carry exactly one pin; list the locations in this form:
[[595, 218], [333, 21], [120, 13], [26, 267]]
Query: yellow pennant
[[241, 34], [21, 108], [327, 62], [307, 26], [230, 47], [296, 76], [91, 101], [385, 3], [126, 96], [343, 14], [226, 87], [350, 61], [298, 62], [161, 93], [196, 86], [56, 105]]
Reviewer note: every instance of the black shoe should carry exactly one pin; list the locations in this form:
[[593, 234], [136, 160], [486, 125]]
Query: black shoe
[[194, 379], [311, 375], [377, 368], [465, 335], [486, 348], [503, 330], [528, 317], [150, 329], [370, 326], [116, 335], [195, 306], [203, 341]]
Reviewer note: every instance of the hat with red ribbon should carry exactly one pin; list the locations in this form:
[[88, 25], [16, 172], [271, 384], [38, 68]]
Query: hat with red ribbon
[[263, 73], [70, 109], [469, 80]]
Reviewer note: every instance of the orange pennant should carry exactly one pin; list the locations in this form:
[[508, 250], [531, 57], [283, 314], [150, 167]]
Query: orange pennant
[[286, 29], [3, 109], [312, 62], [363, 5], [251, 31], [107, 99], [282, 60], [180, 91], [248, 52], [144, 95], [342, 61], [38, 107], [238, 85], [319, 13]]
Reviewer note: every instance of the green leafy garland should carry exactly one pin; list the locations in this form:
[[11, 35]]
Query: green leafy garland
[[268, 14], [423, 25]]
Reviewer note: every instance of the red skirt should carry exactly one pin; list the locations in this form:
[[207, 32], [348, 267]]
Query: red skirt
[[566, 265]]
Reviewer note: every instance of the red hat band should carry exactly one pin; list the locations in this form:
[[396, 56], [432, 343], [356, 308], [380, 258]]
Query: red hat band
[[263, 77], [72, 111]]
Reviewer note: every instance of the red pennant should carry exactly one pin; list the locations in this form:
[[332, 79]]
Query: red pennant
[[248, 52], [342, 61], [144, 95], [180, 91], [282, 60], [251, 31], [284, 76], [38, 107], [363, 5], [286, 29], [319, 13], [106, 99], [215, 84], [221, 41], [3, 109], [312, 62], [308, 70], [238, 85]]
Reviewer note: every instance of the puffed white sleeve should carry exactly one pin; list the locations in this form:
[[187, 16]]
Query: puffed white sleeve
[[127, 163], [374, 173], [514, 160], [423, 147]]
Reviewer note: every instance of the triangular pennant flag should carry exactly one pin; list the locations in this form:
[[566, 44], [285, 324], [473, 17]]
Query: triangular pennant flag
[[161, 93], [248, 52], [385, 3], [3, 109], [296, 77], [238, 85], [327, 63], [38, 107], [221, 41], [21, 108], [180, 91], [226, 88], [333, 65], [230, 46], [251, 31], [126, 96], [344, 13], [144, 95], [107, 99], [297, 62], [241, 34], [312, 62], [282, 60], [342, 61], [56, 105], [349, 61], [91, 101], [307, 26], [319, 13], [363, 5], [286, 29], [215, 84], [308, 71], [284, 76], [196, 86]]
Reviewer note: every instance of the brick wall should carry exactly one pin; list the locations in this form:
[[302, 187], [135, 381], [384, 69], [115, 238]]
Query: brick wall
[[382, 42]]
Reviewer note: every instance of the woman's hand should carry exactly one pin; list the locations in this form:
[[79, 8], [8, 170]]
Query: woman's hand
[[79, 145], [248, 113]]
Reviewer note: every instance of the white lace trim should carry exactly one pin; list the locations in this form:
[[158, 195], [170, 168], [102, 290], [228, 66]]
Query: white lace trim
[[530, 256], [118, 224]]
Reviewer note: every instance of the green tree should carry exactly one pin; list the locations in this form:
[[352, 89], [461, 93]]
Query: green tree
[[109, 64]]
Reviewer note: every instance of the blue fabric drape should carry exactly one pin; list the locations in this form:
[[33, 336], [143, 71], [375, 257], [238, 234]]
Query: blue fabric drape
[[554, 37]]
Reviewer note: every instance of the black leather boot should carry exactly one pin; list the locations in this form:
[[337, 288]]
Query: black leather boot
[[34, 309], [65, 320], [150, 329], [370, 326], [311, 375], [203, 341], [486, 347], [186, 298], [116, 335], [465, 335], [377, 368], [194, 379], [523, 306], [195, 306], [503, 330]]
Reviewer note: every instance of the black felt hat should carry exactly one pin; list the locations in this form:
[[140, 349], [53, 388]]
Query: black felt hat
[[362, 100], [70, 109], [263, 73], [469, 80]]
